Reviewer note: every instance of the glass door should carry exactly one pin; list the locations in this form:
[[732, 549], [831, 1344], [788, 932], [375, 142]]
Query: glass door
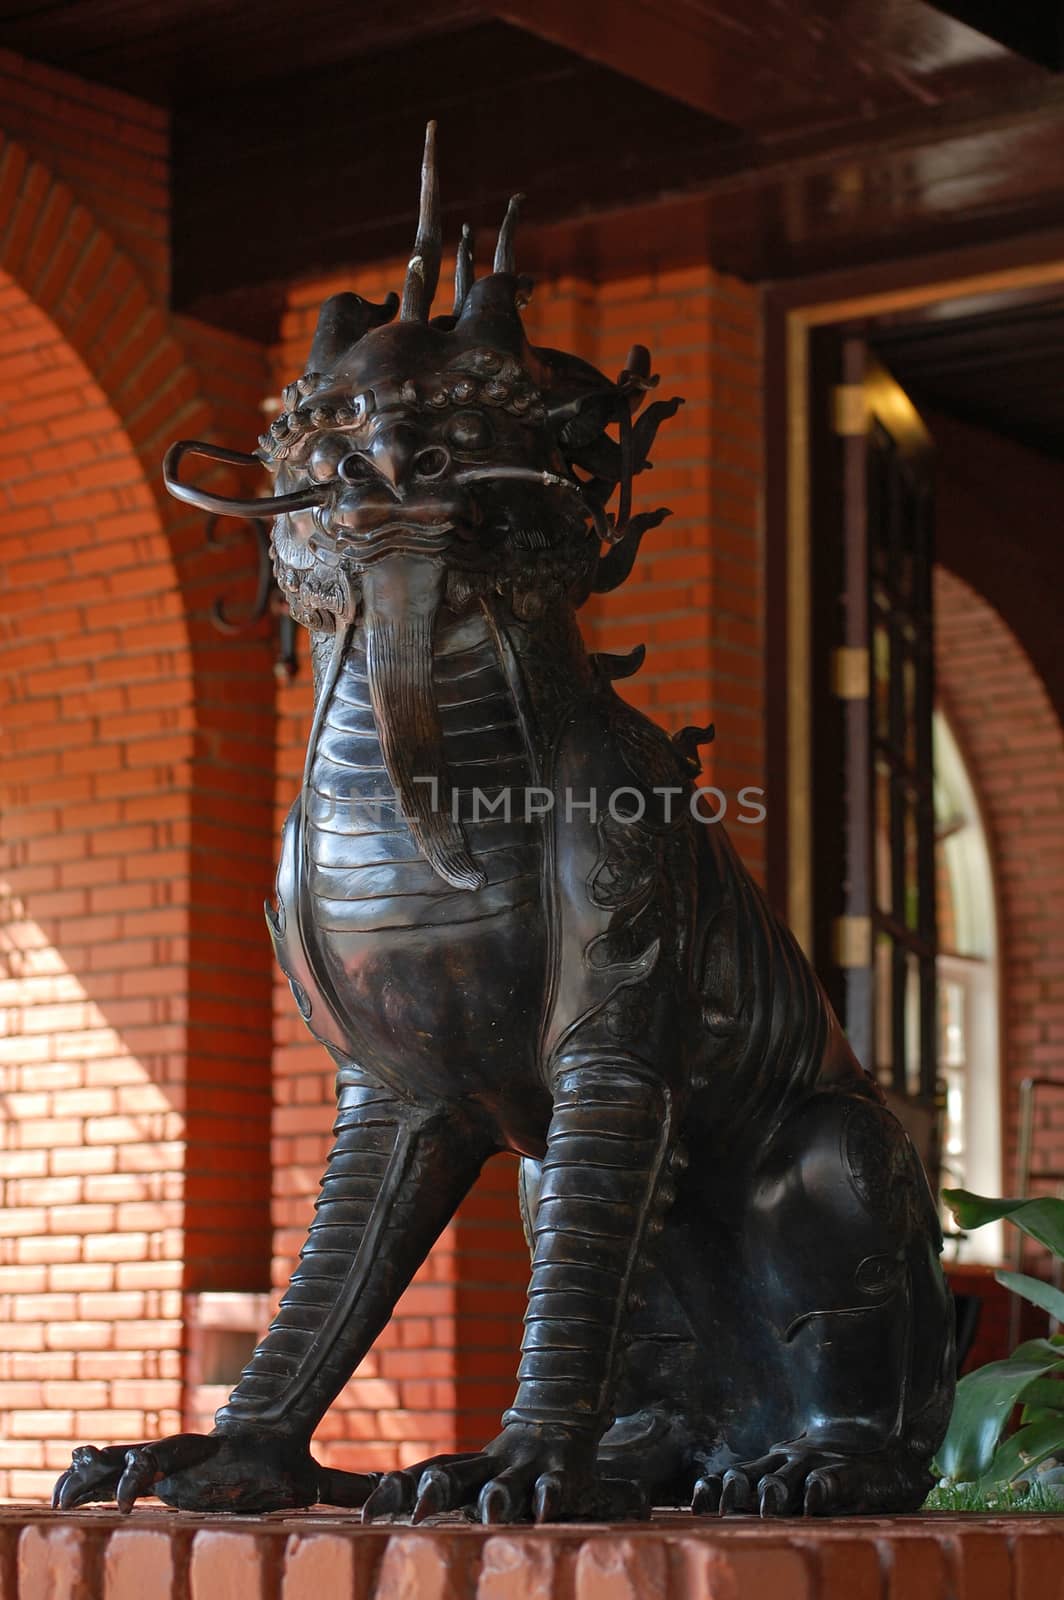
[[873, 802]]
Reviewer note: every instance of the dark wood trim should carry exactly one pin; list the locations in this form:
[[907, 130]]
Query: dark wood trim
[[774, 389], [1032, 28], [653, 47], [929, 278]]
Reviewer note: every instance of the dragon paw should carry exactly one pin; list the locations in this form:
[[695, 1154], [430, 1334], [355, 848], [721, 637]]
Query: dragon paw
[[195, 1472], [527, 1474], [804, 1478]]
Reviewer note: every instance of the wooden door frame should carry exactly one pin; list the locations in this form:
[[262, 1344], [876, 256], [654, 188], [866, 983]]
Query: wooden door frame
[[793, 310]]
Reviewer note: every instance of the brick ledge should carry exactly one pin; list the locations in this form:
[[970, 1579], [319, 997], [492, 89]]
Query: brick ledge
[[322, 1555]]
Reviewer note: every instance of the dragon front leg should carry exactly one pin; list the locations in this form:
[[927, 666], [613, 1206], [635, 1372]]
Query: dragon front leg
[[606, 1147], [394, 1179]]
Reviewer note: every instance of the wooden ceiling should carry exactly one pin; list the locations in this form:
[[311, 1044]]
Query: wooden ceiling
[[515, 113], [995, 361], [760, 63], [779, 137], [174, 52]]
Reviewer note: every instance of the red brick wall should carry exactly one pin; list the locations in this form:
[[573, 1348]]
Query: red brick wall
[[996, 527], [134, 1012], [1013, 743], [232, 846], [1002, 671], [695, 596], [449, 1358], [95, 906], [108, 148]]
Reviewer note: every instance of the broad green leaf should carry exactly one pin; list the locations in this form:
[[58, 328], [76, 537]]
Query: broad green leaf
[[1023, 1451], [1034, 1349], [985, 1400], [1042, 1219], [1045, 1393], [1042, 1400], [1034, 1290]]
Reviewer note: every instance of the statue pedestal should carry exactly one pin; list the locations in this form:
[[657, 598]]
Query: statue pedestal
[[165, 1555]]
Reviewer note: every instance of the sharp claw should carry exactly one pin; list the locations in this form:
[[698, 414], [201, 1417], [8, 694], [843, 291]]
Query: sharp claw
[[817, 1495], [617, 1499], [123, 1473], [548, 1498], [494, 1503], [772, 1497], [139, 1476], [432, 1496], [736, 1494], [76, 1492], [707, 1495], [388, 1498], [67, 1497]]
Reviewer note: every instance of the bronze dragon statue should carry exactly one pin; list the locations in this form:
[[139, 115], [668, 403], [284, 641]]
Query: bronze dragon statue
[[503, 915]]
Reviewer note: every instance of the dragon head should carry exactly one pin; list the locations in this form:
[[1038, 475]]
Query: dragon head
[[424, 460]]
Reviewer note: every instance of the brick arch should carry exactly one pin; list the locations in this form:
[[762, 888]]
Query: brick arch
[[1013, 743], [68, 265], [53, 247], [138, 841]]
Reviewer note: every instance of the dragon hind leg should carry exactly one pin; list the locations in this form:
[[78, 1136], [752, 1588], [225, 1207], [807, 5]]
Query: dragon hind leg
[[840, 1246], [791, 1347]]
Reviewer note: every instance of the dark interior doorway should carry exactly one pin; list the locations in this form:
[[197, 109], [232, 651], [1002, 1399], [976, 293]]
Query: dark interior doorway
[[882, 393]]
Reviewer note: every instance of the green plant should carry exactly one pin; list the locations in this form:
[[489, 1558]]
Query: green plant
[[964, 1497], [1032, 1377]]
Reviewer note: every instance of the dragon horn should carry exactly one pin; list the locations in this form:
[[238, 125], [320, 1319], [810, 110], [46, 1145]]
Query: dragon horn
[[463, 269], [504, 249], [423, 273]]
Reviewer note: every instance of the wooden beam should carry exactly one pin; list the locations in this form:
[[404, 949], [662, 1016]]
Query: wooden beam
[[591, 148], [308, 194], [1032, 28], [652, 46]]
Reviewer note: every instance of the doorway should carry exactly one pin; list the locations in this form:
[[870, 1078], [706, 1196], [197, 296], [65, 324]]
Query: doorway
[[966, 361]]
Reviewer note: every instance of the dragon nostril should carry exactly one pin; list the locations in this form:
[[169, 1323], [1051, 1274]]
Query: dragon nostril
[[355, 468], [432, 462]]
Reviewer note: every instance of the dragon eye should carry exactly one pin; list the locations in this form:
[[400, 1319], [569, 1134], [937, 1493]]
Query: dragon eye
[[469, 430]]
